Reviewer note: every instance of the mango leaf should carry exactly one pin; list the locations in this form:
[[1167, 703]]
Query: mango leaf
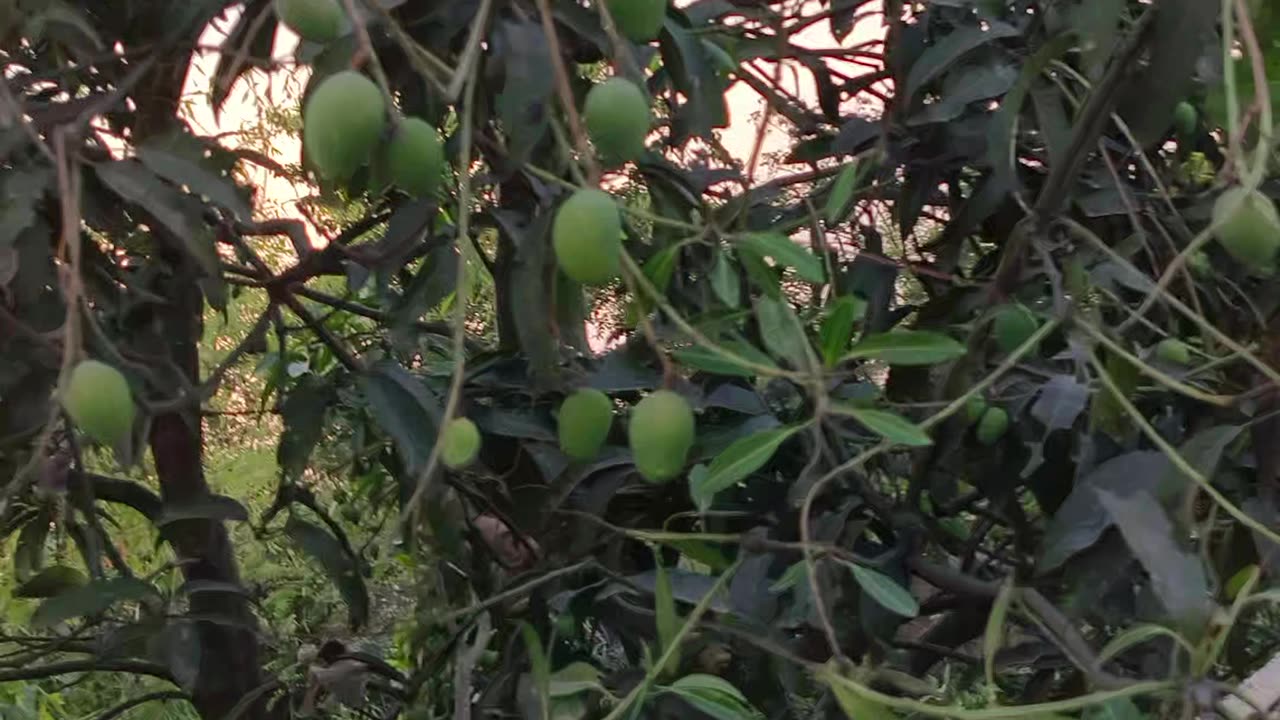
[[404, 409], [540, 666], [737, 462], [574, 678], [941, 55], [1115, 709], [781, 332], [1080, 520], [714, 696], [837, 327], [196, 179], [136, 184], [91, 599], [843, 188], [725, 282], [856, 706], [708, 360], [890, 426], [785, 252], [1177, 575], [303, 413], [218, 508], [884, 590], [907, 347], [341, 568], [51, 581], [664, 607]]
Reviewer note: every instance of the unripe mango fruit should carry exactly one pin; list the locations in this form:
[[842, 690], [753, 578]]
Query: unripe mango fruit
[[661, 433], [993, 425], [319, 21], [1173, 350], [415, 157], [1248, 228], [98, 400], [974, 408], [1185, 119], [342, 123], [585, 419], [587, 237], [638, 20], [460, 443], [617, 117], [1013, 325]]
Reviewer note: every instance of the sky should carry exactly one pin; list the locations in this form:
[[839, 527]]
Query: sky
[[241, 108]]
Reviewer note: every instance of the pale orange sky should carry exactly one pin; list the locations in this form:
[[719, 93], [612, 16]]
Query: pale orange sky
[[280, 196]]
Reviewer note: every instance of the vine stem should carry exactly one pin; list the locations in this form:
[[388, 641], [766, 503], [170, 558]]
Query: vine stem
[[806, 529], [1010, 712], [565, 91], [461, 298]]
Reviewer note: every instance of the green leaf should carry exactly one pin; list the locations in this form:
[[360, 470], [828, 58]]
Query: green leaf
[[884, 590], [573, 679], [540, 667], [843, 188], [1114, 709], [993, 638], [783, 251], [325, 550], [890, 426], [737, 462], [951, 47], [51, 581], [303, 415], [789, 579], [725, 282], [781, 331], [714, 696], [907, 347], [28, 557], [708, 360], [661, 266], [664, 606], [91, 599], [837, 327], [857, 707], [180, 215], [184, 173], [1177, 575], [215, 507], [404, 408]]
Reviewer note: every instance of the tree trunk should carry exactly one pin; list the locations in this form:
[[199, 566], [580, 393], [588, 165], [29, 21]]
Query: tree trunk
[[229, 668]]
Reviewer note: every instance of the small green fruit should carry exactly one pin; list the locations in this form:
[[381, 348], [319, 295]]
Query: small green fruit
[[1172, 350], [342, 123], [974, 408], [319, 21], [587, 236], [415, 157], [461, 440], [1200, 264], [638, 20], [1013, 325], [1248, 228], [993, 425], [1185, 119], [661, 434], [585, 419], [617, 117], [98, 400]]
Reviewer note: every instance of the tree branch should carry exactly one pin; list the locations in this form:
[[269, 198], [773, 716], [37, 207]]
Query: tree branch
[[133, 667], [127, 705]]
